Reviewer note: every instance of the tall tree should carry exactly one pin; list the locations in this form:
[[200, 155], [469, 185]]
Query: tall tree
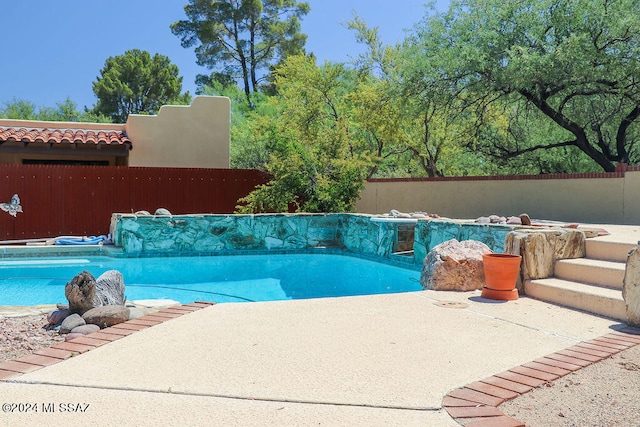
[[240, 38], [137, 83], [314, 158], [575, 62]]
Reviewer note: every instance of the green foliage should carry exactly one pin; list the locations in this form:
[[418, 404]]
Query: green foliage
[[137, 83], [314, 161], [19, 109], [239, 38], [571, 63]]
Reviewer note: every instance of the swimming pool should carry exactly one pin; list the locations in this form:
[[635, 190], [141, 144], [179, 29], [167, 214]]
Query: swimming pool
[[233, 278]]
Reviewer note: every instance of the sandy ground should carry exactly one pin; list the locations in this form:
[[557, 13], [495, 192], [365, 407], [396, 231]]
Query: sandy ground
[[606, 393], [603, 394]]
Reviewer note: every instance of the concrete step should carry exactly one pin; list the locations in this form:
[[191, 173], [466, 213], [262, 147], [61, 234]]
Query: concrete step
[[593, 299], [609, 274], [608, 250]]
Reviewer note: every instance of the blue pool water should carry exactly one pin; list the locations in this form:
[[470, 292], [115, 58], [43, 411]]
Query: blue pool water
[[234, 278]]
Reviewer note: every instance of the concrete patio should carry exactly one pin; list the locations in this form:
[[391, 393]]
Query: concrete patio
[[371, 360]]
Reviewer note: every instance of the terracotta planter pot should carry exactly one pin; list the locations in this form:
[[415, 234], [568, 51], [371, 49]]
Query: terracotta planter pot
[[500, 295], [501, 271]]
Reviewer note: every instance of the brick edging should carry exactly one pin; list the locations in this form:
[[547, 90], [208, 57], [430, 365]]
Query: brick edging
[[476, 404], [64, 350]]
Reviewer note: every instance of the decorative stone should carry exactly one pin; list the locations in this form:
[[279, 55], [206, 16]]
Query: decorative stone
[[454, 265], [109, 289], [56, 317], [72, 336], [134, 313], [540, 249], [107, 315], [72, 321], [80, 292], [631, 288], [85, 329]]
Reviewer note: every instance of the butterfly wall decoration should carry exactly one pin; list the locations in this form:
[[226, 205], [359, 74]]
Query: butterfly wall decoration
[[12, 207]]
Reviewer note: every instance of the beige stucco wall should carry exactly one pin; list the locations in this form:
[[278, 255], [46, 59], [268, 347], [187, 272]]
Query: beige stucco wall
[[587, 200], [632, 197], [195, 136]]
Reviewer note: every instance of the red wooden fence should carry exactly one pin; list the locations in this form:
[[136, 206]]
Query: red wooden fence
[[79, 200]]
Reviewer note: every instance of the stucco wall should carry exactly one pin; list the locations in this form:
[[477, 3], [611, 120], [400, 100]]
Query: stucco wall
[[611, 200], [195, 136]]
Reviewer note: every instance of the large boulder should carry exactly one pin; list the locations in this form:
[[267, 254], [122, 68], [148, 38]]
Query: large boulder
[[109, 289], [84, 292], [80, 292], [107, 315], [540, 249], [454, 265], [631, 288]]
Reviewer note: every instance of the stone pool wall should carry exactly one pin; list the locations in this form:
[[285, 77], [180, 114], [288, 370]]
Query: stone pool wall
[[433, 232], [357, 233]]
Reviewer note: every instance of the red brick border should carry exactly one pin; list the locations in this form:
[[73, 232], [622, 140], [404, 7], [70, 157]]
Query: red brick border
[[64, 350], [476, 404]]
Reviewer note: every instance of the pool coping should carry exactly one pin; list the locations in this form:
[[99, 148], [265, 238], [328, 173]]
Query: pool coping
[[64, 350]]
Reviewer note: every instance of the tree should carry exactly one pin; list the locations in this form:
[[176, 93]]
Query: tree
[[572, 63], [242, 37], [19, 109], [314, 160], [136, 83]]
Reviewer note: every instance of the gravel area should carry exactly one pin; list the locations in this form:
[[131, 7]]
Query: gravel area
[[24, 335], [606, 393], [603, 394]]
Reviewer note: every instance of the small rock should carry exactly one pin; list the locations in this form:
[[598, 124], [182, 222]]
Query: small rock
[[162, 211], [107, 315], [70, 322], [514, 220], [72, 336], [134, 313], [56, 317], [524, 219], [85, 329], [61, 306]]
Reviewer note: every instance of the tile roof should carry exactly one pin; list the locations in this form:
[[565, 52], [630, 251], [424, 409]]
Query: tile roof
[[58, 136]]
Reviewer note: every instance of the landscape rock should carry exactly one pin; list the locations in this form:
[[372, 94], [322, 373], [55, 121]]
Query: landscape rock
[[56, 317], [540, 249], [72, 321], [135, 312], [84, 292], [72, 336], [85, 329], [80, 292], [631, 288], [109, 289], [107, 315], [454, 265]]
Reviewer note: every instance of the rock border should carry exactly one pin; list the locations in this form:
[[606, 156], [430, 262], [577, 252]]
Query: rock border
[[58, 352]]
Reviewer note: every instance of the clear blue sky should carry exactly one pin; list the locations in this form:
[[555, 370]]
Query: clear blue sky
[[55, 49]]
